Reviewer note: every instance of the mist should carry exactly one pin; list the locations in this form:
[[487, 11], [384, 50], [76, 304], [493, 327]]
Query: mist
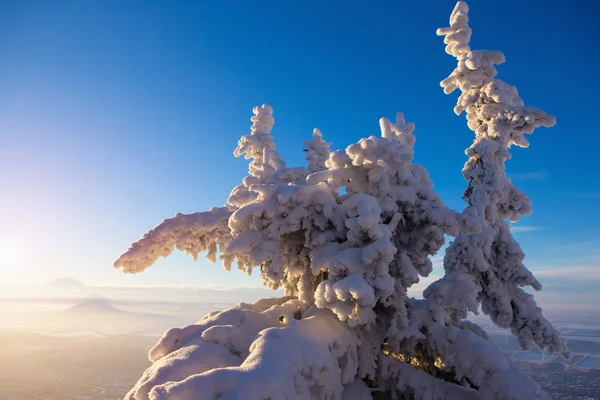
[[67, 340]]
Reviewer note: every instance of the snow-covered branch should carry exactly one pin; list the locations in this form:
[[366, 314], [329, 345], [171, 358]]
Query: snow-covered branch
[[317, 152], [192, 233], [259, 146]]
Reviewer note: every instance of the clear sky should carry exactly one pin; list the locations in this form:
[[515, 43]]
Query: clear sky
[[116, 114]]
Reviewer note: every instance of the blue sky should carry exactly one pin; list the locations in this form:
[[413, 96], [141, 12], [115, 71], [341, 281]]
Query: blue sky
[[117, 114]]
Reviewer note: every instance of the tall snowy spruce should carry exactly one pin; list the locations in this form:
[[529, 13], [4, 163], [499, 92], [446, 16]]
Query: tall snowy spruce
[[345, 237]]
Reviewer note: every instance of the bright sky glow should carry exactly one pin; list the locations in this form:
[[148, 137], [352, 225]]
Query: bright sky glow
[[8, 255], [114, 114]]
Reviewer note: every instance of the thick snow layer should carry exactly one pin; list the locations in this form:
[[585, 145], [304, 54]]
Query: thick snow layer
[[236, 354], [346, 236]]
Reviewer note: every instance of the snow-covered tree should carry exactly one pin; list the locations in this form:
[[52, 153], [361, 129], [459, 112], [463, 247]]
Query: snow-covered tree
[[345, 238], [485, 256]]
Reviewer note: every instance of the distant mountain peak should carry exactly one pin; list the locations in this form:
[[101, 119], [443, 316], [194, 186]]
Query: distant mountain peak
[[94, 304]]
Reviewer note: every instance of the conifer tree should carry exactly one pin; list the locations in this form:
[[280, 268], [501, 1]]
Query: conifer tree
[[346, 237]]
